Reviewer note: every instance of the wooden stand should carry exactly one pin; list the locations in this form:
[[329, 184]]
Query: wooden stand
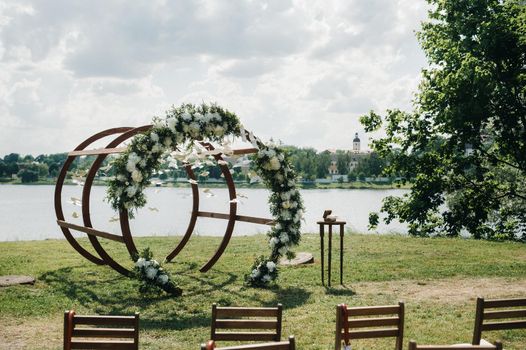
[[329, 257]]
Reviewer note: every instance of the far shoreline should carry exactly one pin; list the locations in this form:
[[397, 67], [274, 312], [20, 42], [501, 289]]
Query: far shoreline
[[355, 185]]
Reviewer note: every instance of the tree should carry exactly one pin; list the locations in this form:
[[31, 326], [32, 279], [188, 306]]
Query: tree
[[28, 175], [463, 146]]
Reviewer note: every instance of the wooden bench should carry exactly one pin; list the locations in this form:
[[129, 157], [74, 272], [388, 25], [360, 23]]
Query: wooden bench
[[282, 345], [514, 316], [256, 323], [117, 332], [391, 324], [414, 346]]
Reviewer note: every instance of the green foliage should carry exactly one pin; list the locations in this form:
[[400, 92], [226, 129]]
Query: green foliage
[[464, 145], [152, 277], [28, 175]]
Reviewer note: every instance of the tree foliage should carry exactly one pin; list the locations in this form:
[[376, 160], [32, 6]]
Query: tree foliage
[[463, 146]]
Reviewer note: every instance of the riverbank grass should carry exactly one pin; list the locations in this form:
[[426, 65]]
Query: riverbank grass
[[438, 279]]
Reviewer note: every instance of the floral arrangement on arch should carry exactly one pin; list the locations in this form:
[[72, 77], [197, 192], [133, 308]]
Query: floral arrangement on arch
[[176, 137]]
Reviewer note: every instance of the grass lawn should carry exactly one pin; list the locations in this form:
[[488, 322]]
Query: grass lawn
[[437, 278]]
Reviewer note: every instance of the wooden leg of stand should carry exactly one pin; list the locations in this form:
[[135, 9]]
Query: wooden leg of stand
[[330, 257], [322, 255], [341, 254]]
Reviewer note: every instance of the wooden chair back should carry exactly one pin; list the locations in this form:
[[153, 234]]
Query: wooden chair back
[[85, 331], [357, 323], [246, 323], [414, 346], [512, 317], [290, 344]]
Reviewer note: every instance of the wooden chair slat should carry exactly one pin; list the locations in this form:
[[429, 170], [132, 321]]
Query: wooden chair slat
[[223, 312], [246, 318], [360, 328], [245, 336], [119, 333], [282, 345], [246, 324], [504, 303], [373, 333], [104, 332], [496, 326], [457, 347], [93, 344], [492, 315], [373, 322], [373, 310], [104, 320], [265, 346]]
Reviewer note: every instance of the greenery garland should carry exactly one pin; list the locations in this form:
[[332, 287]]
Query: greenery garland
[[184, 125]]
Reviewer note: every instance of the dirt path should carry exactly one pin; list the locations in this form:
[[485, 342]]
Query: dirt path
[[457, 290]]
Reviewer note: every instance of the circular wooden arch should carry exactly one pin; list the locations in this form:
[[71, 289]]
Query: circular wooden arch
[[103, 258]]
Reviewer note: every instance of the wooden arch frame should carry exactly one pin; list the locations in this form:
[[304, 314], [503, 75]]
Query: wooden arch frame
[[123, 134]]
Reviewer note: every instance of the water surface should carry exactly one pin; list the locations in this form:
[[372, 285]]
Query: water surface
[[27, 212]]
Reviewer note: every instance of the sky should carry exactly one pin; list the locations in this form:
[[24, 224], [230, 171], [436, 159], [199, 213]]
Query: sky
[[301, 72]]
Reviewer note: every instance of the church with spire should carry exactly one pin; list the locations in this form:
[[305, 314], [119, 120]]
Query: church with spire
[[355, 154]]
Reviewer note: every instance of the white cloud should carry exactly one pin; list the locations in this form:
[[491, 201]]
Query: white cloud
[[299, 71]]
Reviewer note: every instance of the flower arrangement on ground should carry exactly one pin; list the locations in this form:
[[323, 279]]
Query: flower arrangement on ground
[[177, 136], [152, 276]]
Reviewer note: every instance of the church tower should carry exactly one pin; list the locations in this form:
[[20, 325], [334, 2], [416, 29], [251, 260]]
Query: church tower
[[356, 143]]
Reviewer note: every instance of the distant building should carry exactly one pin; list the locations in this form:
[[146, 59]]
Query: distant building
[[355, 156], [356, 144]]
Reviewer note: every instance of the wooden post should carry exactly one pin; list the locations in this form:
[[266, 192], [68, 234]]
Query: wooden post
[[329, 263], [401, 317], [341, 253], [338, 337], [412, 345], [322, 233], [478, 321]]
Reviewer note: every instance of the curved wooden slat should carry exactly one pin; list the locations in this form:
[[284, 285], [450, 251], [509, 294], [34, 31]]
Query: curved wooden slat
[[86, 194], [233, 212], [96, 152], [193, 217], [60, 184]]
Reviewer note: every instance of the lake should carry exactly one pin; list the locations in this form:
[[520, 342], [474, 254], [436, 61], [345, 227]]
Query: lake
[[27, 212]]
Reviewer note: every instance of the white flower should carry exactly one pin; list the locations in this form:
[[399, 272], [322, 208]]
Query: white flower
[[136, 176], [151, 272], [167, 142], [172, 122], [255, 273], [162, 279], [266, 278], [285, 214], [286, 205], [285, 196], [219, 131], [271, 266], [154, 137], [186, 116], [283, 250], [157, 148], [284, 237], [273, 241], [130, 166], [140, 262], [274, 163], [131, 190], [199, 117], [215, 116]]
